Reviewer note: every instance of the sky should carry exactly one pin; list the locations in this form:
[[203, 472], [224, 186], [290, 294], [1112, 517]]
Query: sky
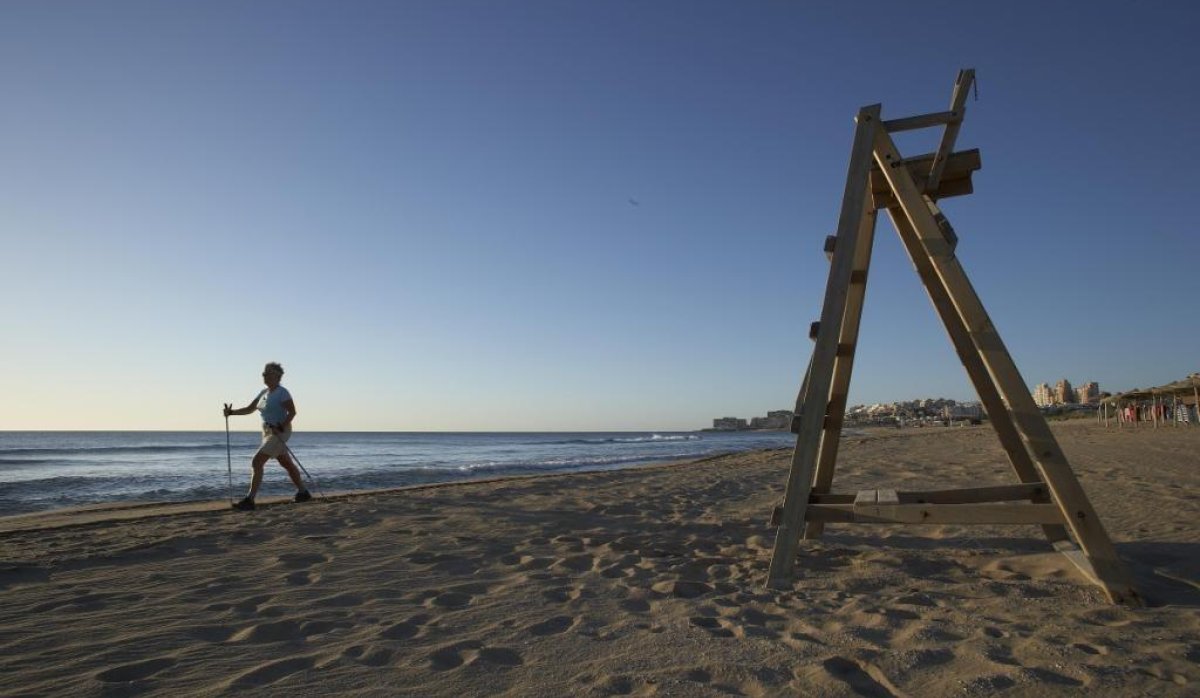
[[491, 216]]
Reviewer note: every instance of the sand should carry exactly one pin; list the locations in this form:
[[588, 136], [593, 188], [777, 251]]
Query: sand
[[636, 582]]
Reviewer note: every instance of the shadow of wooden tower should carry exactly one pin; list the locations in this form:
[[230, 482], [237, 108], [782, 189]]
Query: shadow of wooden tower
[[1049, 493]]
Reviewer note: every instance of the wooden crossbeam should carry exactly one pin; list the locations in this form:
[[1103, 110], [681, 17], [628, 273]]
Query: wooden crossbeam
[[960, 514], [1033, 491], [912, 123], [955, 179]]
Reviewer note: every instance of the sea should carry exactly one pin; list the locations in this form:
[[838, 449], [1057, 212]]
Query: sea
[[42, 470]]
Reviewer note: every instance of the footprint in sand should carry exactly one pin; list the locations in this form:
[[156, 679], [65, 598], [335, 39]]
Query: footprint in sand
[[412, 627], [211, 633], [561, 594], [281, 631], [369, 655], [272, 672], [457, 597], [574, 564], [343, 600], [714, 626], [320, 627], [553, 626], [250, 605], [297, 561], [862, 678], [135, 671], [473, 652], [302, 578]]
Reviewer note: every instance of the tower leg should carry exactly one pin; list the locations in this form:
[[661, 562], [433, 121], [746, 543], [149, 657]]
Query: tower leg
[[1047, 456], [816, 398]]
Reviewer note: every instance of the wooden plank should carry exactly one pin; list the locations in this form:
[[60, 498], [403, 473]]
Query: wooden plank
[[947, 189], [911, 123], [961, 514], [1031, 491], [1048, 458], [870, 505], [865, 498], [959, 165], [844, 365], [958, 100], [800, 474], [968, 495], [794, 427], [997, 411]]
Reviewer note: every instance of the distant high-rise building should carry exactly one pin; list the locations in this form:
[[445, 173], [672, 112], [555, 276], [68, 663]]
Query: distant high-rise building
[[1088, 393], [1064, 394], [1042, 396]]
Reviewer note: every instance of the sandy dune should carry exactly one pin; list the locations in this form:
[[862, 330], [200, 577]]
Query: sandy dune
[[640, 582]]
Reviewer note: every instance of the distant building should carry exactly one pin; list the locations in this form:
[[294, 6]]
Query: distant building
[[1042, 396], [1088, 393], [777, 419], [1064, 394], [729, 424], [964, 411]]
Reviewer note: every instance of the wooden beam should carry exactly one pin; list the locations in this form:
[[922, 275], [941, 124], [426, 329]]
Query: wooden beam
[[958, 100], [979, 495], [1048, 457], [816, 399], [949, 188], [970, 495], [844, 365], [955, 180], [959, 165], [962, 514], [911, 123]]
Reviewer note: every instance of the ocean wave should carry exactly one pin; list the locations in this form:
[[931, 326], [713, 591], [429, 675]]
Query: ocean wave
[[44, 454], [5, 462], [653, 438]]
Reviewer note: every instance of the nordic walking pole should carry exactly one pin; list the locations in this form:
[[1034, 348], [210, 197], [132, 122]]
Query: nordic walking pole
[[311, 482], [228, 452]]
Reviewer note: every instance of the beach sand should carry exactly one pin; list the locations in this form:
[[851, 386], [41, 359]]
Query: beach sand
[[638, 582]]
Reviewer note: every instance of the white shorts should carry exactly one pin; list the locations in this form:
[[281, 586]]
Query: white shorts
[[272, 443]]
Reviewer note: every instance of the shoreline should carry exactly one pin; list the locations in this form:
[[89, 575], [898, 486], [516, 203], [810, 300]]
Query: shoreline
[[103, 512], [90, 514]]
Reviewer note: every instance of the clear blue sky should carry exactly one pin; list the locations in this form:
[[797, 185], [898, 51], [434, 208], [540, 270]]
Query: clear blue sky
[[426, 210]]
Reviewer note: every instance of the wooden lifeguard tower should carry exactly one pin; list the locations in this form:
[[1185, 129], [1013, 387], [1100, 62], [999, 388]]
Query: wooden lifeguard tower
[[1048, 493]]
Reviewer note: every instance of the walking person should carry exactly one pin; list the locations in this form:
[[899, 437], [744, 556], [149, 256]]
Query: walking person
[[277, 409]]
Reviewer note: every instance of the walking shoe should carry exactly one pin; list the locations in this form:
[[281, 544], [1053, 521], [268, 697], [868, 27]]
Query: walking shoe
[[303, 496], [246, 504]]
